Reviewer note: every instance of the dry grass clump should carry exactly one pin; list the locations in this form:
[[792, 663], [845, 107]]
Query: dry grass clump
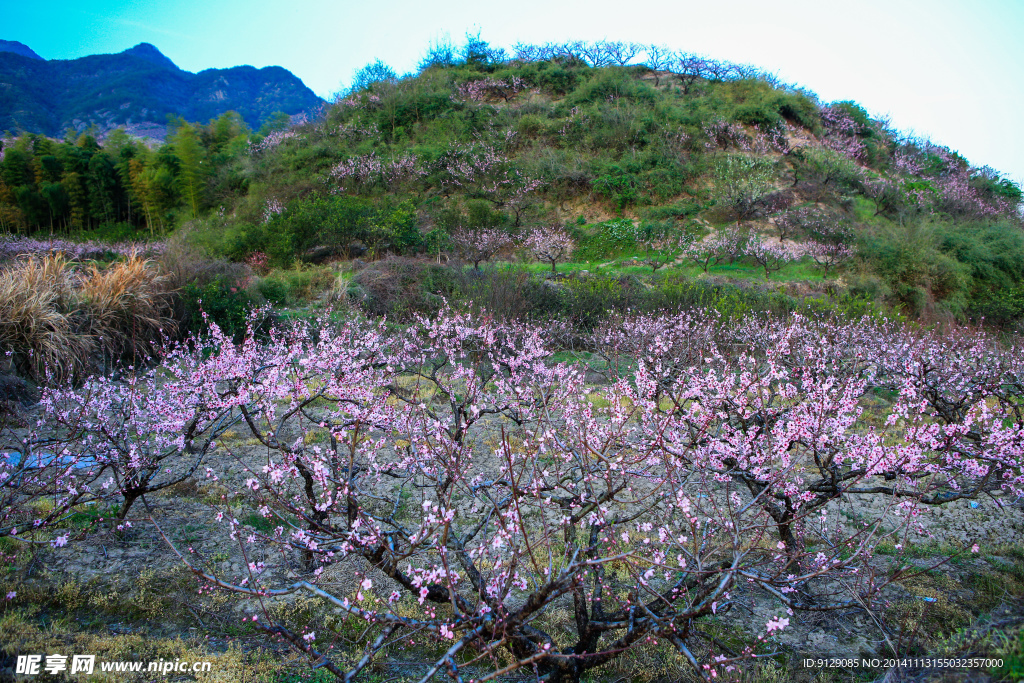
[[124, 308], [36, 330], [56, 317]]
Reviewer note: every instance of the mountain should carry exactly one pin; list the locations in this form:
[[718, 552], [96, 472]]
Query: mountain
[[150, 54], [18, 49], [136, 89]]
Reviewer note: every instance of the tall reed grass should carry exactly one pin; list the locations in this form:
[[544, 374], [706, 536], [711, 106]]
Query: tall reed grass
[[58, 317]]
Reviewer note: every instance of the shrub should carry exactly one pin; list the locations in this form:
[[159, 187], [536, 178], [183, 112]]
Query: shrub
[[556, 78], [762, 116], [401, 288], [223, 302], [742, 181], [619, 186], [831, 168], [800, 109], [299, 284], [611, 84], [916, 272]]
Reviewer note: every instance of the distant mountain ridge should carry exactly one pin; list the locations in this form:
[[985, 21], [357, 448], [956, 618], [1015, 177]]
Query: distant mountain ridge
[[18, 49], [136, 89]]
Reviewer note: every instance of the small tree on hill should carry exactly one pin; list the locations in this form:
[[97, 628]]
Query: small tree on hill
[[550, 245], [741, 181], [480, 244], [713, 249], [771, 256], [374, 72]]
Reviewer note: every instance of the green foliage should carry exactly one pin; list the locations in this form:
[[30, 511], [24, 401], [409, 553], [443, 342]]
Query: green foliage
[[605, 240], [678, 211], [610, 85], [585, 301], [798, 108], [481, 214], [742, 180], [329, 226], [297, 285], [371, 74], [991, 185], [619, 186], [915, 270], [831, 168], [975, 270], [222, 302]]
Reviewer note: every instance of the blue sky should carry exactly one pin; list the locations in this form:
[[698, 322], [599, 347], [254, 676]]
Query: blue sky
[[949, 70]]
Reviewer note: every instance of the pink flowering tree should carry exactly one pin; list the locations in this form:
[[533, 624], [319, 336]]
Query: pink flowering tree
[[550, 245], [272, 207], [887, 195], [952, 186], [484, 89], [828, 255], [153, 429], [841, 133], [271, 141], [463, 167], [726, 135], [472, 485], [484, 171], [43, 481], [789, 225], [714, 249], [368, 171], [480, 244], [827, 237], [770, 255], [831, 241], [660, 248]]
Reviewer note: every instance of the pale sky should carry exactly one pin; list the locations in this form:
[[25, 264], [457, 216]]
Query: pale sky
[[949, 70]]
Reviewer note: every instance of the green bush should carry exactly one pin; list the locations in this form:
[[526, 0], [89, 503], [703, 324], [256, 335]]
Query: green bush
[[297, 285], [605, 240], [401, 288], [621, 187], [677, 211], [800, 109], [222, 302], [909, 260], [831, 168], [763, 115], [611, 84], [274, 291], [555, 78]]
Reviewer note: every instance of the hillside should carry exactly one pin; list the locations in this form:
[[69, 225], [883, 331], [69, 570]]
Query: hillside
[[651, 162], [136, 89], [694, 149]]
